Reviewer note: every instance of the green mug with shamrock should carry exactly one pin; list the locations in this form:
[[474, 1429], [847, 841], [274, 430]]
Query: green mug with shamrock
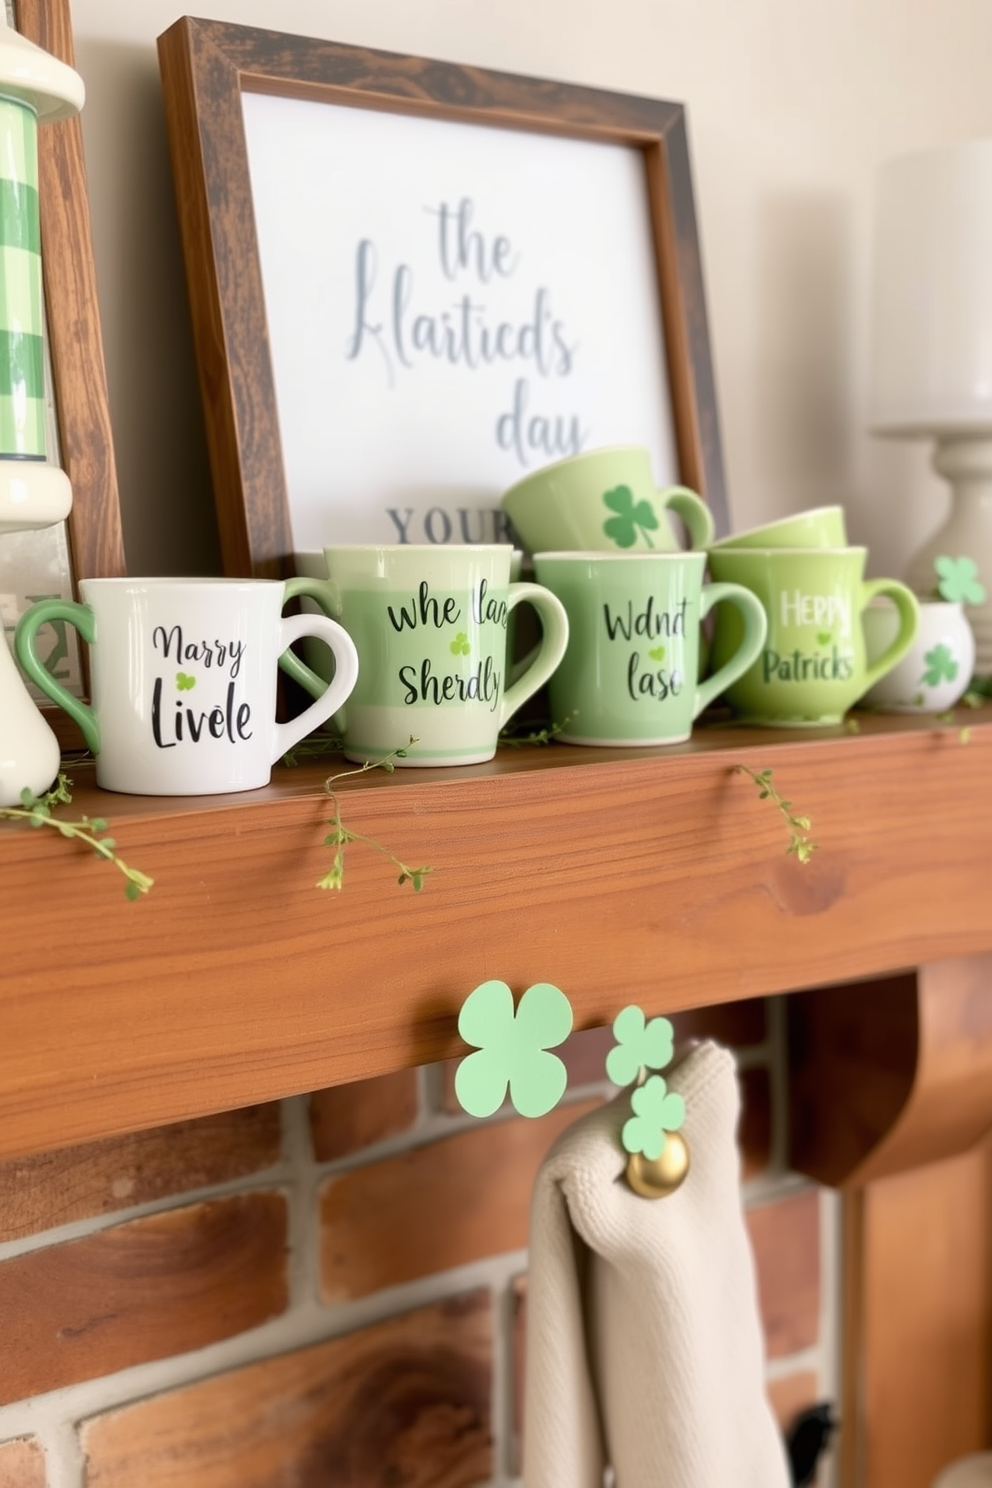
[[429, 623], [604, 500]]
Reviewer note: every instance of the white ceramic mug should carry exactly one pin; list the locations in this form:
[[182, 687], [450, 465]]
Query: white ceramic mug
[[184, 680]]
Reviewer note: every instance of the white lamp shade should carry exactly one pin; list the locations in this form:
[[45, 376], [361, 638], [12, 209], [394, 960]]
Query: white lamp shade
[[932, 297]]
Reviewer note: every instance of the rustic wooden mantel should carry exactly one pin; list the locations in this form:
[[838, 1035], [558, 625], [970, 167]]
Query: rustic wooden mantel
[[647, 875], [656, 876]]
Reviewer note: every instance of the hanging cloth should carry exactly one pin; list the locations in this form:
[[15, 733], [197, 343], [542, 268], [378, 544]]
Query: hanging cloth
[[644, 1348]]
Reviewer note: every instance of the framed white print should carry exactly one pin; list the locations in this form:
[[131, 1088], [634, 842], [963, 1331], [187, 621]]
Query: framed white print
[[412, 282]]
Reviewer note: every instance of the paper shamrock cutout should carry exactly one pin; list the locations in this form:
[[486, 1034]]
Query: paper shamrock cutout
[[631, 517], [657, 1110], [958, 581], [511, 1049], [640, 1045]]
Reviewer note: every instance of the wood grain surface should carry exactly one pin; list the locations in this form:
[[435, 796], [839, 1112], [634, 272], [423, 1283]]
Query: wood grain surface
[[649, 876], [73, 318]]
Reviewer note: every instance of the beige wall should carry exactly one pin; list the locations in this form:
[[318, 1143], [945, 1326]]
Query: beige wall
[[791, 105]]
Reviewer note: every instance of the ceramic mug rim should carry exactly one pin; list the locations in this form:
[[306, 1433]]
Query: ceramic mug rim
[[809, 511], [592, 555], [600, 449], [202, 581], [427, 547], [790, 552]]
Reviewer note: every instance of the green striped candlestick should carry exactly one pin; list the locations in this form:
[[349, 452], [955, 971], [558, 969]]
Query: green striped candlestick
[[34, 88]]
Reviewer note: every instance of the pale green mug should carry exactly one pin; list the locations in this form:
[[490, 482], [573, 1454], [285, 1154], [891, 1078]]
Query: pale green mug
[[630, 672], [819, 527], [430, 626], [813, 666], [604, 500]]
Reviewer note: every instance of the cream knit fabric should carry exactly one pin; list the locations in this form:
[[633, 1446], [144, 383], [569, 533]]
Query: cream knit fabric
[[644, 1347]]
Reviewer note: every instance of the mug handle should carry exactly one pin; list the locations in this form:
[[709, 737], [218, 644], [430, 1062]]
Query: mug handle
[[334, 693], [290, 663], [908, 610], [546, 655], [752, 612], [83, 618], [694, 512]]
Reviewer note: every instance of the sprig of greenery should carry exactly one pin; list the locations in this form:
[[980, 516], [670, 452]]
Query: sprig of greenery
[[314, 747], [37, 811], [340, 835], [801, 845], [512, 740]]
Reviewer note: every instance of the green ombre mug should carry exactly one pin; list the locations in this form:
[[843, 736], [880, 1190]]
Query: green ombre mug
[[430, 626], [630, 671]]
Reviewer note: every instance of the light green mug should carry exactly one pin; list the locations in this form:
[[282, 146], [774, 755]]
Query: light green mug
[[813, 666], [630, 671], [430, 626], [604, 501], [819, 527]]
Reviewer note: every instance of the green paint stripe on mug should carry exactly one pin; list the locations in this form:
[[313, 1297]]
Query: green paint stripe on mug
[[19, 141], [20, 292], [22, 427], [20, 222], [22, 364]]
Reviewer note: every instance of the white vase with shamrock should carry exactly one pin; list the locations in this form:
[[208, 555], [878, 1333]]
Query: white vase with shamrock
[[936, 671]]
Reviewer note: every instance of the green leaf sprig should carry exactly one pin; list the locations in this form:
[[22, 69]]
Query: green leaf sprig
[[315, 746], [510, 740], [801, 845], [38, 811], [340, 836]]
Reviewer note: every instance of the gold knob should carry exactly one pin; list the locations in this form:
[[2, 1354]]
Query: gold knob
[[656, 1178]]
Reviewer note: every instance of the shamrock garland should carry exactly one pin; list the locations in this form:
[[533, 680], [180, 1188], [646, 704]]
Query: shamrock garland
[[643, 1045], [657, 1110], [512, 1049]]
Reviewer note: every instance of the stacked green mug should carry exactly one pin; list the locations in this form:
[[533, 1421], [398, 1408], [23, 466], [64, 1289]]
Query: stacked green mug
[[601, 539], [814, 664]]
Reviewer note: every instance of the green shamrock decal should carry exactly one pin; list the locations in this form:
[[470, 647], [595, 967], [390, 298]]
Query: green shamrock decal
[[184, 682], [640, 1045], [941, 666], [512, 1049], [823, 637], [656, 1110], [631, 518], [958, 580], [460, 645], [657, 653]]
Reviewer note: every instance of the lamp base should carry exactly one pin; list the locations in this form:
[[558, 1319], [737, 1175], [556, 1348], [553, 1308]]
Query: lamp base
[[966, 465]]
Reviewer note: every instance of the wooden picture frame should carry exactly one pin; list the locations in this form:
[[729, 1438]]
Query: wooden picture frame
[[74, 336], [208, 66]]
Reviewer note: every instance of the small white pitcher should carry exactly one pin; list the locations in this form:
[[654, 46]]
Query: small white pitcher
[[936, 670]]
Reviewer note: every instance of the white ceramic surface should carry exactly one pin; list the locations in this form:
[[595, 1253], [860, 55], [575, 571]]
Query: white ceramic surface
[[935, 672], [184, 680]]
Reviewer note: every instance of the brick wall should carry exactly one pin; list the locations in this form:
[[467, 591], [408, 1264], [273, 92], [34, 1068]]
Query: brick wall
[[332, 1291]]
